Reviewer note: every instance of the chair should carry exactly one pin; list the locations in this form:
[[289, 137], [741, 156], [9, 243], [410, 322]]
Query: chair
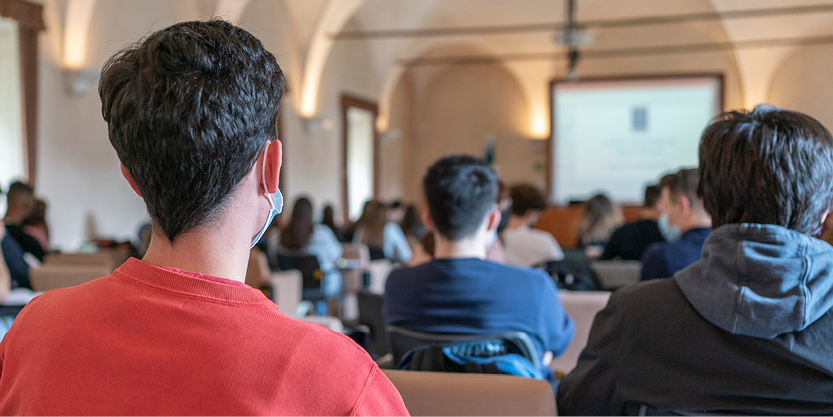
[[371, 314], [286, 291], [355, 255], [582, 306], [616, 274], [353, 265], [310, 271], [48, 277], [258, 275], [453, 394], [485, 345], [379, 272], [376, 254], [103, 258]]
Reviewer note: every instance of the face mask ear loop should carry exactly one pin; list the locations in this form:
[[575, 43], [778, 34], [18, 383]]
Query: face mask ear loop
[[263, 178]]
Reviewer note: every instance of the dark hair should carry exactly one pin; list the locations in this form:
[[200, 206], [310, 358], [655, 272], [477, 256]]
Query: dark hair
[[428, 244], [328, 218], [526, 197], [652, 195], [298, 233], [37, 216], [373, 228], [20, 198], [411, 224], [189, 110], [460, 191], [683, 183], [767, 166]]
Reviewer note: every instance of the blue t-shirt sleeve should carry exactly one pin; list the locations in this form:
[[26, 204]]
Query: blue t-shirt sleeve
[[556, 327], [653, 263]]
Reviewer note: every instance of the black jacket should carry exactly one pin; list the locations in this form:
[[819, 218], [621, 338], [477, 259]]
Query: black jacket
[[765, 348]]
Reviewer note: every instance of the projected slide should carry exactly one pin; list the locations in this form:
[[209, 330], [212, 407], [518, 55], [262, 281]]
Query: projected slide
[[619, 136]]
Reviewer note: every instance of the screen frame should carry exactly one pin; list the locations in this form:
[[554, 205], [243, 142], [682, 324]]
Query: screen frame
[[721, 106]]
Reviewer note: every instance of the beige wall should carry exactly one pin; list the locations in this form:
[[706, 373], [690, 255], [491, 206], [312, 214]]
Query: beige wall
[[79, 172], [803, 83]]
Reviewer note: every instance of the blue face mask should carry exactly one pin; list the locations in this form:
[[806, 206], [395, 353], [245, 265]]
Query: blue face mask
[[669, 232], [275, 201]]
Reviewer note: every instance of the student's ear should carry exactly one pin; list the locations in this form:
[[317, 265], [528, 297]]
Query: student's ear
[[493, 220], [130, 181], [426, 219], [685, 205], [273, 161]]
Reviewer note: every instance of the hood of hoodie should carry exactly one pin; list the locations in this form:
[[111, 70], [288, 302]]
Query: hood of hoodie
[[760, 280]]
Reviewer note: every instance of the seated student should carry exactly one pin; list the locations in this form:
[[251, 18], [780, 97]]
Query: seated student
[[179, 332], [302, 237], [523, 245], [20, 203], [599, 219], [35, 224], [328, 218], [383, 237], [412, 225], [5, 274], [746, 329], [459, 291], [685, 224], [630, 241]]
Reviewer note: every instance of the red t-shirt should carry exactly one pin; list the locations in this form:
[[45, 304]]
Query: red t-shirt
[[149, 340]]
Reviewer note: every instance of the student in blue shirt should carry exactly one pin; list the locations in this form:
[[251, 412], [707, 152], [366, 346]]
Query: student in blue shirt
[[684, 223], [459, 291]]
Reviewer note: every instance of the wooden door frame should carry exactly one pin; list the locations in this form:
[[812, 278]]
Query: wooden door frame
[[348, 101]]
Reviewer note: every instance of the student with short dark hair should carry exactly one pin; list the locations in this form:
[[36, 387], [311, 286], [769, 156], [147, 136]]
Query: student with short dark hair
[[191, 111], [459, 291], [747, 328], [630, 241], [20, 202], [525, 246], [684, 223]]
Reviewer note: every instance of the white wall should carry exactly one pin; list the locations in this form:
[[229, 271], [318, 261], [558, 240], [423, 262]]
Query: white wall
[[11, 113], [79, 173]]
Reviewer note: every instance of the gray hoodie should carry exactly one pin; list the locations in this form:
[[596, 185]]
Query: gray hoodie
[[760, 280]]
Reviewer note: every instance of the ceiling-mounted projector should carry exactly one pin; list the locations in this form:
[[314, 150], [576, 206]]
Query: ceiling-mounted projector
[[577, 37]]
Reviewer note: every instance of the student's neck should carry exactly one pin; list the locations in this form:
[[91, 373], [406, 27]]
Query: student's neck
[[648, 214], [462, 249], [696, 222], [206, 252], [516, 222]]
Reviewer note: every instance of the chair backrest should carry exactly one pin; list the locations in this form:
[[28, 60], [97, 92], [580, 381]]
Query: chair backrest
[[371, 314], [330, 322], [98, 259], [307, 264], [379, 271], [376, 254], [356, 255], [287, 291], [403, 341], [582, 306], [48, 277], [257, 273], [457, 394], [616, 274]]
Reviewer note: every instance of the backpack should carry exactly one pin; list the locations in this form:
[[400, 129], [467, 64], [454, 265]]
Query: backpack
[[571, 275]]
